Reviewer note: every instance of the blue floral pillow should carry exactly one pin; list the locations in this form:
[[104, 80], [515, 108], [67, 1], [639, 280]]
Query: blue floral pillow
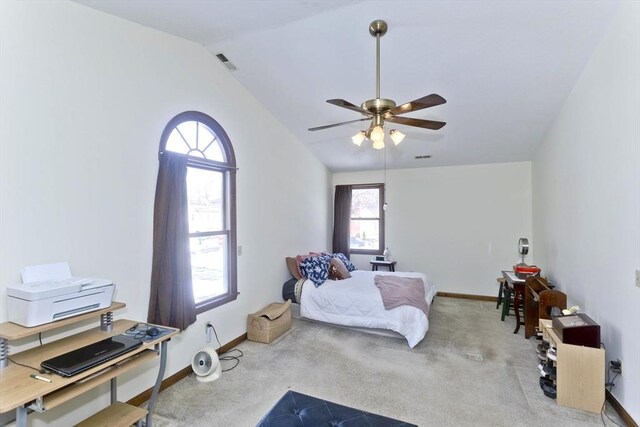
[[344, 260], [316, 269]]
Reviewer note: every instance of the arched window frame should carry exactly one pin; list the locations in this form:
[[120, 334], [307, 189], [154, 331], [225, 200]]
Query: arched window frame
[[228, 169]]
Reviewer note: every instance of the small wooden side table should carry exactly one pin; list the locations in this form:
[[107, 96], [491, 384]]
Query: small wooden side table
[[391, 265]]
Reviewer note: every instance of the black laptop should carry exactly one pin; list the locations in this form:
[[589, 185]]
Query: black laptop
[[84, 358]]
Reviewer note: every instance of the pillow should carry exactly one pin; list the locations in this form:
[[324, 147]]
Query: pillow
[[316, 269], [293, 268], [299, 259], [344, 259], [337, 270], [292, 289]]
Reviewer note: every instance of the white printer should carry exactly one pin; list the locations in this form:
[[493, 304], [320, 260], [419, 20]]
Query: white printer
[[36, 303]]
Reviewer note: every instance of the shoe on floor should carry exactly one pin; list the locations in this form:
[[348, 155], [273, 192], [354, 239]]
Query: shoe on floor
[[551, 353], [548, 388], [550, 370]]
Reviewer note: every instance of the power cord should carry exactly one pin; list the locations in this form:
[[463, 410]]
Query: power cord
[[232, 357], [39, 370], [609, 384], [228, 357]]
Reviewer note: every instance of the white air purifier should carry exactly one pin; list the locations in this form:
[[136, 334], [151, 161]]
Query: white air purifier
[[206, 365]]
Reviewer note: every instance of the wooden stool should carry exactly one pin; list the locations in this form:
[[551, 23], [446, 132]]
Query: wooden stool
[[501, 283], [508, 295], [507, 299]]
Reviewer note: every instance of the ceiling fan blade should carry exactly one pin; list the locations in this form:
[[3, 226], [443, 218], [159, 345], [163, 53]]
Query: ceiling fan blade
[[418, 104], [349, 106], [337, 124], [427, 124]]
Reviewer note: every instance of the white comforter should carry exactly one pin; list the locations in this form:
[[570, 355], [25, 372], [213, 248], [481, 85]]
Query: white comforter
[[357, 302]]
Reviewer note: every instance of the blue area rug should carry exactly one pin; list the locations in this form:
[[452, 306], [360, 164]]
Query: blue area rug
[[299, 410]]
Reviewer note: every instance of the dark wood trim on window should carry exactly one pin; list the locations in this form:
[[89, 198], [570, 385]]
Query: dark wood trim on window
[[381, 247], [228, 168]]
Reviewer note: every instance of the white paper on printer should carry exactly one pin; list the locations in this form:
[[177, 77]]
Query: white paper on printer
[[57, 272]]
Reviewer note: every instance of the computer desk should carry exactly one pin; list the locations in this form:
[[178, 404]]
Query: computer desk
[[25, 394]]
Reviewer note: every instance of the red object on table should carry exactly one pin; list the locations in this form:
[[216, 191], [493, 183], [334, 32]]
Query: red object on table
[[526, 269]]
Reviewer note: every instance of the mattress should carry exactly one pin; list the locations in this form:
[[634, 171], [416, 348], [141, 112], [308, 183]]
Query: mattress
[[357, 302]]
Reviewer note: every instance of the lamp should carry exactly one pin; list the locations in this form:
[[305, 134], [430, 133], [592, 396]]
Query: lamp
[[376, 135], [378, 145], [396, 136], [359, 137]]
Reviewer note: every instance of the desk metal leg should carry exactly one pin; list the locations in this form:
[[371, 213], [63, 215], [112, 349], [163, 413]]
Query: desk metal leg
[[4, 353], [114, 390], [156, 387], [21, 416]]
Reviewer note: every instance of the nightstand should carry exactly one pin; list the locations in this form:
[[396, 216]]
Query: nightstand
[[391, 265]]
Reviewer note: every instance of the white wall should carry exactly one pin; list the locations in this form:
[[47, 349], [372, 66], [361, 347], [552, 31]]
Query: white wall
[[458, 224], [586, 197], [84, 99]]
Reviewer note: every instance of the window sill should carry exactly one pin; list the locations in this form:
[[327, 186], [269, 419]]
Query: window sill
[[216, 302]]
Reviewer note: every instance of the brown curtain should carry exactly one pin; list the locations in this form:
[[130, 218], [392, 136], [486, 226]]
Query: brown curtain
[[171, 301], [342, 219]]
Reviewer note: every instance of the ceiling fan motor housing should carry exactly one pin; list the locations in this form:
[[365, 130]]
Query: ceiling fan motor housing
[[378, 105]]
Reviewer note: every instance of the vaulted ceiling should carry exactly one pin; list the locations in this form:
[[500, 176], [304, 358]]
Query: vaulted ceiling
[[504, 67]]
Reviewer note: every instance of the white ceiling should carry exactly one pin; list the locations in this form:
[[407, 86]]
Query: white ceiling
[[504, 67]]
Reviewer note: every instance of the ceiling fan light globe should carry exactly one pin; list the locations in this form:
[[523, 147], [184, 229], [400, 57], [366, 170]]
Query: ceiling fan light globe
[[396, 136], [378, 145], [377, 134], [358, 138]]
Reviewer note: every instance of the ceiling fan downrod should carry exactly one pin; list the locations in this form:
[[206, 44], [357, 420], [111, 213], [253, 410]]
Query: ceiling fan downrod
[[377, 29], [378, 106]]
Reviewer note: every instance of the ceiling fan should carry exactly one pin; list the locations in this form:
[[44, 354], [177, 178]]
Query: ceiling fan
[[379, 110]]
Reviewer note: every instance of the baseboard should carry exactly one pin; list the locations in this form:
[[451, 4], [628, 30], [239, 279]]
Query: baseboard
[[467, 296], [182, 373], [620, 410]]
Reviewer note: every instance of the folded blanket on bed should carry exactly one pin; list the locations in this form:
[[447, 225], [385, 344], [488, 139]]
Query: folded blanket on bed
[[397, 291]]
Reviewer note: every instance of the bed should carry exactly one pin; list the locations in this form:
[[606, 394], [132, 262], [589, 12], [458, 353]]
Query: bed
[[357, 302]]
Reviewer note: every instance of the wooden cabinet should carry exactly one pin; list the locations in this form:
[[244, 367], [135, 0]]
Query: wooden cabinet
[[579, 372]]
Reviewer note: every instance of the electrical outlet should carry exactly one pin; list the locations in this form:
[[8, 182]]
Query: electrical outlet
[[638, 278], [616, 366], [207, 331]]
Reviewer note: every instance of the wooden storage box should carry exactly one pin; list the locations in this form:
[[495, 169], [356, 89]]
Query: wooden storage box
[[269, 323], [579, 372], [577, 329]]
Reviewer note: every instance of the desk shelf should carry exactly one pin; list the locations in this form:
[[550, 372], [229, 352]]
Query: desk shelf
[[13, 331], [23, 393], [117, 415], [58, 397], [23, 390]]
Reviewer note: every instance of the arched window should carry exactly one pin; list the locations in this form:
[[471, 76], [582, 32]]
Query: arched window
[[211, 195]]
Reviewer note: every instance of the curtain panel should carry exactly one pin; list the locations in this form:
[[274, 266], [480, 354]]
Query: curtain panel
[[342, 219], [171, 301]]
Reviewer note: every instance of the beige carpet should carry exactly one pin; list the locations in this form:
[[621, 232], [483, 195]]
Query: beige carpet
[[470, 370]]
